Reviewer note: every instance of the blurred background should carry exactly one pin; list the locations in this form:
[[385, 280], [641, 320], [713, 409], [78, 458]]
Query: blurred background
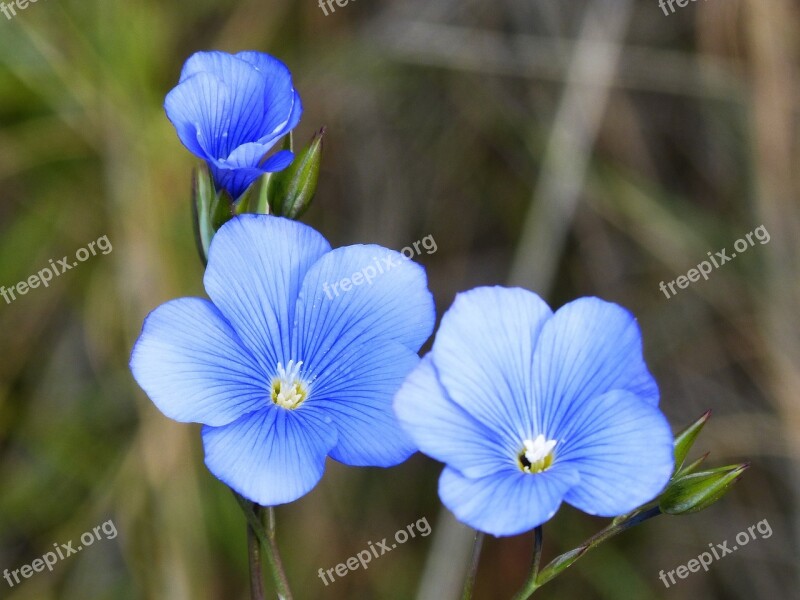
[[582, 147]]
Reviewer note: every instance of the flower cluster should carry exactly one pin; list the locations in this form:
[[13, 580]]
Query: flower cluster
[[526, 407]]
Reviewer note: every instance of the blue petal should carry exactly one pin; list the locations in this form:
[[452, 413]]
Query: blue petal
[[445, 431], [235, 180], [279, 106], [297, 111], [243, 116], [246, 155], [278, 120], [268, 65], [272, 456], [193, 366], [622, 448], [278, 161], [483, 354], [255, 267], [506, 503], [213, 62], [243, 167], [355, 388], [588, 348], [250, 155], [283, 107], [196, 109], [394, 304]]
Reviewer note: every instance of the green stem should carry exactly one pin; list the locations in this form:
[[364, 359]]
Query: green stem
[[273, 555], [530, 583], [256, 577], [261, 519], [560, 563], [635, 519], [537, 551], [469, 582]]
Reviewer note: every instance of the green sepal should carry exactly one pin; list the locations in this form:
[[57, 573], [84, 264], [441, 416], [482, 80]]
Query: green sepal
[[210, 210], [686, 438], [691, 467]]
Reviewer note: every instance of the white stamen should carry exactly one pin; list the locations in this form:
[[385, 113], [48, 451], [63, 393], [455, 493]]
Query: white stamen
[[538, 453], [288, 390]]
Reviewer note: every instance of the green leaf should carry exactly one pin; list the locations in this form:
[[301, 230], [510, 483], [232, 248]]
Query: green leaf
[[697, 491], [559, 564]]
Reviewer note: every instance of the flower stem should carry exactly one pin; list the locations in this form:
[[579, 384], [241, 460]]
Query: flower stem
[[469, 582], [256, 577], [537, 551], [560, 563], [273, 555], [530, 583], [261, 521]]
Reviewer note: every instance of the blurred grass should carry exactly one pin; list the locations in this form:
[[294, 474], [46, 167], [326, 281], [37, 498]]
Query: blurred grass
[[439, 115]]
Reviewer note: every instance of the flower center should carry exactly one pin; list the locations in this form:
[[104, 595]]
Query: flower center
[[288, 390], [536, 455]]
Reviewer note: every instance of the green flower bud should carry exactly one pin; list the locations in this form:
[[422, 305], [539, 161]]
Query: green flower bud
[[697, 491], [291, 191]]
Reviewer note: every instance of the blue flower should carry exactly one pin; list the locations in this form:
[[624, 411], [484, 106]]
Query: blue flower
[[281, 373], [528, 408], [230, 110]]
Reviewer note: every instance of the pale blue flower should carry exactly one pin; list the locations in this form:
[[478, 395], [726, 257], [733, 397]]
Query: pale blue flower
[[282, 374], [528, 408]]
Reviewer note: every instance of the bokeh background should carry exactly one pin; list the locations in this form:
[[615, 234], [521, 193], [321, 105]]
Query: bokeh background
[[581, 147]]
